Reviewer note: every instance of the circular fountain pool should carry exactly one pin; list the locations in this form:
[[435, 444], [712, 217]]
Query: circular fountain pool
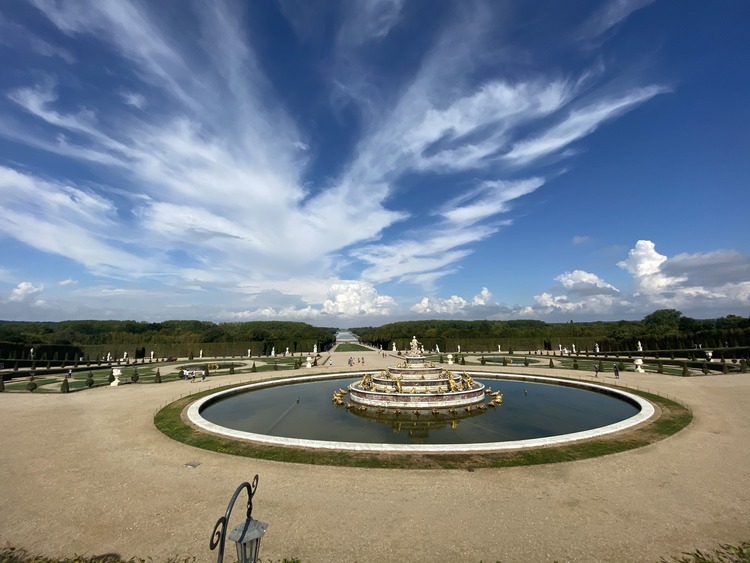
[[536, 411]]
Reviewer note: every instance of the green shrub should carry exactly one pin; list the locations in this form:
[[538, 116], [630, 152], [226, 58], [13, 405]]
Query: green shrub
[[65, 387], [724, 367], [551, 363], [157, 377], [621, 366], [575, 364], [526, 362], [134, 378], [253, 369], [743, 366], [276, 366], [231, 368], [482, 360], [659, 367], [90, 380], [685, 370], [30, 386], [505, 360], [705, 369], [510, 351], [32, 378]]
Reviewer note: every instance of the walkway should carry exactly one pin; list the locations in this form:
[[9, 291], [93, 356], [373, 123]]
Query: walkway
[[88, 473]]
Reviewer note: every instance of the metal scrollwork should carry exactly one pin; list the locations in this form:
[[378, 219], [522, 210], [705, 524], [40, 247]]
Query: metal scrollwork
[[219, 533]]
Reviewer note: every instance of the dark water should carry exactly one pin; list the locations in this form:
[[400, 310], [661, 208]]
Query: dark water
[[529, 410]]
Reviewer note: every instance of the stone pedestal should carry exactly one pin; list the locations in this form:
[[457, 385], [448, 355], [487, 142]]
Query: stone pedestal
[[309, 362], [450, 359], [638, 365]]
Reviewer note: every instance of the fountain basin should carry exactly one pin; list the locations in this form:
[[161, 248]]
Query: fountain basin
[[338, 422]]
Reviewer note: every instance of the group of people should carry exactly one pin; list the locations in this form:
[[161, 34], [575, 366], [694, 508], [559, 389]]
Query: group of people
[[359, 361], [192, 374]]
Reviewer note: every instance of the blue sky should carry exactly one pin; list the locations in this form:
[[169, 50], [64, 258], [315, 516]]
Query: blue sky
[[356, 163]]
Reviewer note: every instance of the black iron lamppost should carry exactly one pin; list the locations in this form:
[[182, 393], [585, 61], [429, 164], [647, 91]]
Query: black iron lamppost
[[247, 535]]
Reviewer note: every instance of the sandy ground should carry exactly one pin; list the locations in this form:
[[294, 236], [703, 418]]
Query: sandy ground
[[88, 473]]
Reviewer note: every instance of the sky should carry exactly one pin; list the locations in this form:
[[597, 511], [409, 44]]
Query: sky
[[357, 163]]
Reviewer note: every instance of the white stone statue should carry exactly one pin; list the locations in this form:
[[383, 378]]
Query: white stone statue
[[287, 351], [394, 347], [596, 347], [559, 346], [116, 372], [459, 348], [437, 348], [640, 348], [273, 352], [200, 354], [109, 357], [248, 353], [450, 359], [498, 348], [414, 346], [31, 353], [308, 364], [574, 348], [315, 349], [152, 354]]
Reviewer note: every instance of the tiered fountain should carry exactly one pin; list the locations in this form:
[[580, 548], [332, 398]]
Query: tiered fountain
[[416, 384]]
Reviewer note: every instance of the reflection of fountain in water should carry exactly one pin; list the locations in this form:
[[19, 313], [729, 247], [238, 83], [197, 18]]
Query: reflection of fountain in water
[[416, 388], [419, 426]]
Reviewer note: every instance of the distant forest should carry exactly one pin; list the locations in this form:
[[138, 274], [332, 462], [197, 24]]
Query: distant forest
[[665, 329], [94, 339]]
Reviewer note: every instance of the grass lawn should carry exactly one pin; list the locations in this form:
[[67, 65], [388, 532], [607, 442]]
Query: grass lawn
[[349, 347]]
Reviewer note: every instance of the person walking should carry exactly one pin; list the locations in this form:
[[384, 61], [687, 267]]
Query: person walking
[[596, 370], [617, 371]]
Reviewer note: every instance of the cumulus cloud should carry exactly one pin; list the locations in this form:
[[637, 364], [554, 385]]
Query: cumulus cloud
[[702, 285], [644, 263], [24, 291], [456, 305], [352, 299]]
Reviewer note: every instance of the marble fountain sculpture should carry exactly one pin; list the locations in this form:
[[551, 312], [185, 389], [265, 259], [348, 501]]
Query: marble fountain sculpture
[[416, 384]]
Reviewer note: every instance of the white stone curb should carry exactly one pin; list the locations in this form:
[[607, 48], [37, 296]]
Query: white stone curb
[[646, 412]]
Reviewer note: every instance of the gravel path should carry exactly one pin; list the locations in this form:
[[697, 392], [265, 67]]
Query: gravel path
[[88, 473]]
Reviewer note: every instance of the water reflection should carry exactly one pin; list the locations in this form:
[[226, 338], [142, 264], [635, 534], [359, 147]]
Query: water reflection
[[530, 410]]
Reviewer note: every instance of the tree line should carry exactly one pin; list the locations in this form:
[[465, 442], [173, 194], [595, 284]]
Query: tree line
[[664, 329], [168, 338]]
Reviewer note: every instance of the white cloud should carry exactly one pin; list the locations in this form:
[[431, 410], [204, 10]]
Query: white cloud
[[644, 263], [24, 290], [67, 282], [351, 299], [134, 99], [581, 239], [369, 20], [581, 282], [610, 14], [455, 305]]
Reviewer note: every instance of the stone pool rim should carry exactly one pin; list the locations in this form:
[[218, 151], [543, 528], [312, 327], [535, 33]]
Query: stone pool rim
[[645, 413]]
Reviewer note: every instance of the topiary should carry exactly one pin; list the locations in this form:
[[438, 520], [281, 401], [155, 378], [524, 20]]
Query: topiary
[[743, 366], [253, 369], [276, 366], [482, 360], [705, 369], [660, 367], [685, 370], [32, 378], [724, 368], [65, 387], [526, 362], [231, 369], [134, 378], [30, 386], [551, 363], [575, 364], [157, 377]]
